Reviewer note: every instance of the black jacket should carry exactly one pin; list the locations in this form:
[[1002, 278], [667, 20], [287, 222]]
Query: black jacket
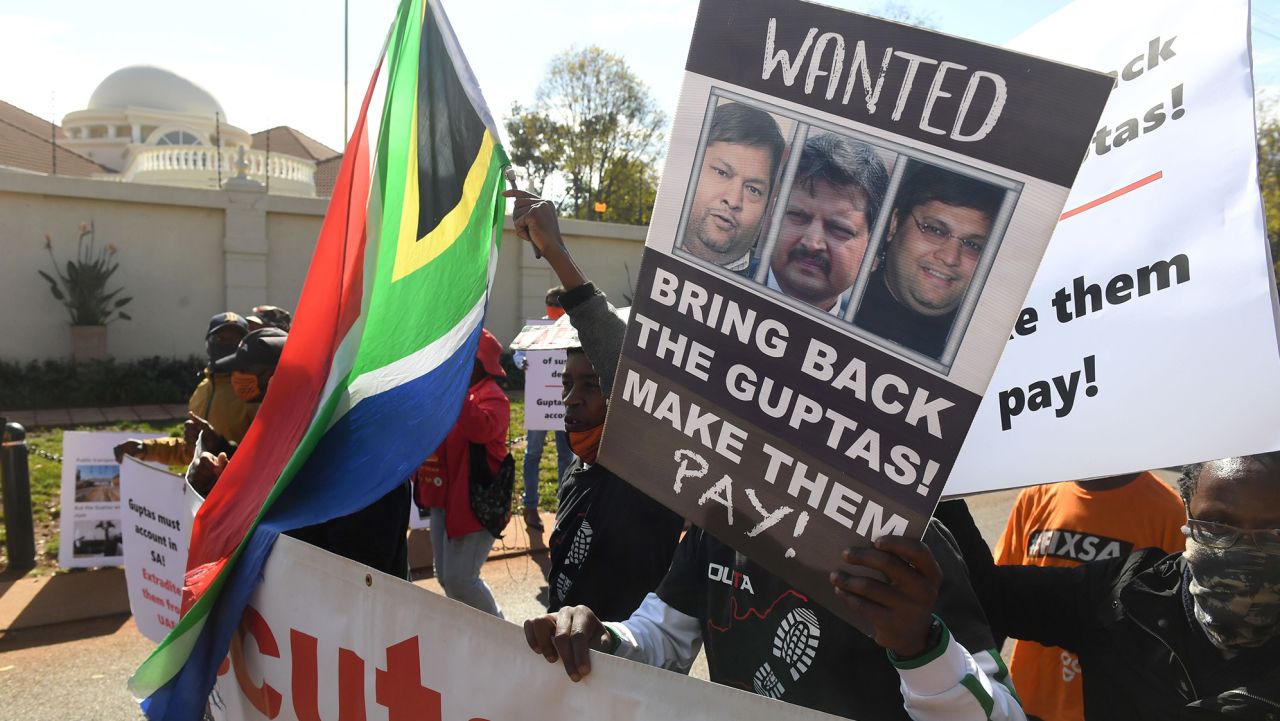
[[1142, 654]]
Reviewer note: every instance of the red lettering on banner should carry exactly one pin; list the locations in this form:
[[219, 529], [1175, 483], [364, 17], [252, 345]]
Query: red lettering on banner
[[264, 698], [302, 647], [400, 688]]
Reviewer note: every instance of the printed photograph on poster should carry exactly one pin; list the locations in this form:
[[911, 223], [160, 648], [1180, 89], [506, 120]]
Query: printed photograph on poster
[[92, 530], [97, 483], [891, 240], [96, 538], [839, 248]]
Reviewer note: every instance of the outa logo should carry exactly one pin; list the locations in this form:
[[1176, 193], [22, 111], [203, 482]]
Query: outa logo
[[730, 577], [1075, 546]]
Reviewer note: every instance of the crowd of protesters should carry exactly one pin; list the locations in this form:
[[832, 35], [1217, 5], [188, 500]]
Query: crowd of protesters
[[1124, 598]]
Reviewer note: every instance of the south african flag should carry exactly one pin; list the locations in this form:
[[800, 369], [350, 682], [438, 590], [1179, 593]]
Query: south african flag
[[382, 345]]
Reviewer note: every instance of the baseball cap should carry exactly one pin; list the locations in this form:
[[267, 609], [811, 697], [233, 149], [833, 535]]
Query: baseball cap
[[270, 315], [261, 347], [223, 320], [489, 353]]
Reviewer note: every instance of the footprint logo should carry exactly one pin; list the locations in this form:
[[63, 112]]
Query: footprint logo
[[796, 641], [581, 544]]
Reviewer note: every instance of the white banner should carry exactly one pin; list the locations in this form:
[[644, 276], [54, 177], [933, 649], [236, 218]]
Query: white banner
[[322, 632], [91, 534], [1148, 338], [157, 506], [543, 410]]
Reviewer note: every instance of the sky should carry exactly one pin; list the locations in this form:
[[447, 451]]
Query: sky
[[280, 62]]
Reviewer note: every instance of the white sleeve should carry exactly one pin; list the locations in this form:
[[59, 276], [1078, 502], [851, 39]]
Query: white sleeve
[[658, 635], [949, 684]]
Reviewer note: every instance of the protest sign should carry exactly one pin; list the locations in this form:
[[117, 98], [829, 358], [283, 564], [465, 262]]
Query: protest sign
[[541, 343], [91, 533], [158, 506], [1149, 335], [543, 410], [543, 335], [850, 214], [323, 636]]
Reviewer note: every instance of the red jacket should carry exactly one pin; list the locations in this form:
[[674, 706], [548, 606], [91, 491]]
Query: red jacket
[[441, 482]]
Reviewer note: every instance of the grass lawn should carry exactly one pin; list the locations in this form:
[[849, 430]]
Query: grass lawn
[[46, 478]]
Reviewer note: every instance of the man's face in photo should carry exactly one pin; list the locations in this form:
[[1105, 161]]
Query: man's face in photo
[[729, 202], [822, 241], [935, 250]]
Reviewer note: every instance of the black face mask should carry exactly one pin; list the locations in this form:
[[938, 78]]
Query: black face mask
[[219, 349]]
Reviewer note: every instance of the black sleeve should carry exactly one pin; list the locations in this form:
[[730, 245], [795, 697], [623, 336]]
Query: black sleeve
[[600, 331], [682, 587], [1051, 606], [958, 606]]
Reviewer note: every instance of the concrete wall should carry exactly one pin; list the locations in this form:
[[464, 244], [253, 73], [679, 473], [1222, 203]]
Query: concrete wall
[[186, 254]]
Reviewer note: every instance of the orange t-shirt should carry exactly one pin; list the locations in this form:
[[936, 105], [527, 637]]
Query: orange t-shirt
[[1062, 524]]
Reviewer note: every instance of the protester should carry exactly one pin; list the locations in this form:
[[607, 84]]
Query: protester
[[213, 400], [611, 543], [459, 542], [839, 188], [739, 161], [250, 367], [1066, 524], [537, 440], [269, 316], [745, 619], [374, 536], [940, 225], [764, 636], [1185, 636]]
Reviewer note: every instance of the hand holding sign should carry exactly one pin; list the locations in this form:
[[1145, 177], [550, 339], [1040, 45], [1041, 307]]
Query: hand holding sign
[[899, 608]]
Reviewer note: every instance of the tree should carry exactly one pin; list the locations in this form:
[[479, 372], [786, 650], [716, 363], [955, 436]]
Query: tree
[[596, 126], [1269, 172]]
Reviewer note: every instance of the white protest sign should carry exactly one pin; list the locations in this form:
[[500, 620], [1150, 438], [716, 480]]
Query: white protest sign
[[325, 633], [156, 537], [543, 410], [91, 533], [1149, 334]]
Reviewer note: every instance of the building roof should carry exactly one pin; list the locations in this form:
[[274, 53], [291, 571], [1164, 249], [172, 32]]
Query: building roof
[[292, 142], [327, 176], [33, 124], [146, 86], [25, 144]]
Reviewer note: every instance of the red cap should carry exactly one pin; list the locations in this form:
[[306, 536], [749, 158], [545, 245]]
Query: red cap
[[488, 354]]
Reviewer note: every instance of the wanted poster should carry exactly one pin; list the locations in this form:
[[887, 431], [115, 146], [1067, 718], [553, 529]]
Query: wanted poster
[[849, 218]]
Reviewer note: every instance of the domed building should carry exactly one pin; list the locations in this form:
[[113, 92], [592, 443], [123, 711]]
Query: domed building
[[146, 124]]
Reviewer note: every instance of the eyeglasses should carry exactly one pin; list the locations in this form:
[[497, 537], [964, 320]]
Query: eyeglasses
[[1220, 535], [972, 245]]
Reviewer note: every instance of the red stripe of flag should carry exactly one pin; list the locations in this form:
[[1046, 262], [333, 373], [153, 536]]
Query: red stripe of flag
[[329, 306]]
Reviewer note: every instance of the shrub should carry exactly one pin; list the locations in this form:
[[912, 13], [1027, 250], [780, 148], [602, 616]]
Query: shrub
[[70, 384]]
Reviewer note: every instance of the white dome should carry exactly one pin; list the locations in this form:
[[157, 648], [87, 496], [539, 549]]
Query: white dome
[[144, 86]]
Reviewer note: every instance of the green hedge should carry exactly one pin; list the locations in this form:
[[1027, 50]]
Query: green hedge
[[70, 384]]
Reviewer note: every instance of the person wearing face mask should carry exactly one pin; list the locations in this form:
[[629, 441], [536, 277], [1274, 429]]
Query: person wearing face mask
[[374, 535], [1189, 635], [611, 544], [213, 400]]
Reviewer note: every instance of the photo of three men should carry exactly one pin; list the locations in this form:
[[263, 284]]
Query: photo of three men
[[939, 226]]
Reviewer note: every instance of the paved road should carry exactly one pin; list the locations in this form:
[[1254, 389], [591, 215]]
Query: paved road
[[77, 671]]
